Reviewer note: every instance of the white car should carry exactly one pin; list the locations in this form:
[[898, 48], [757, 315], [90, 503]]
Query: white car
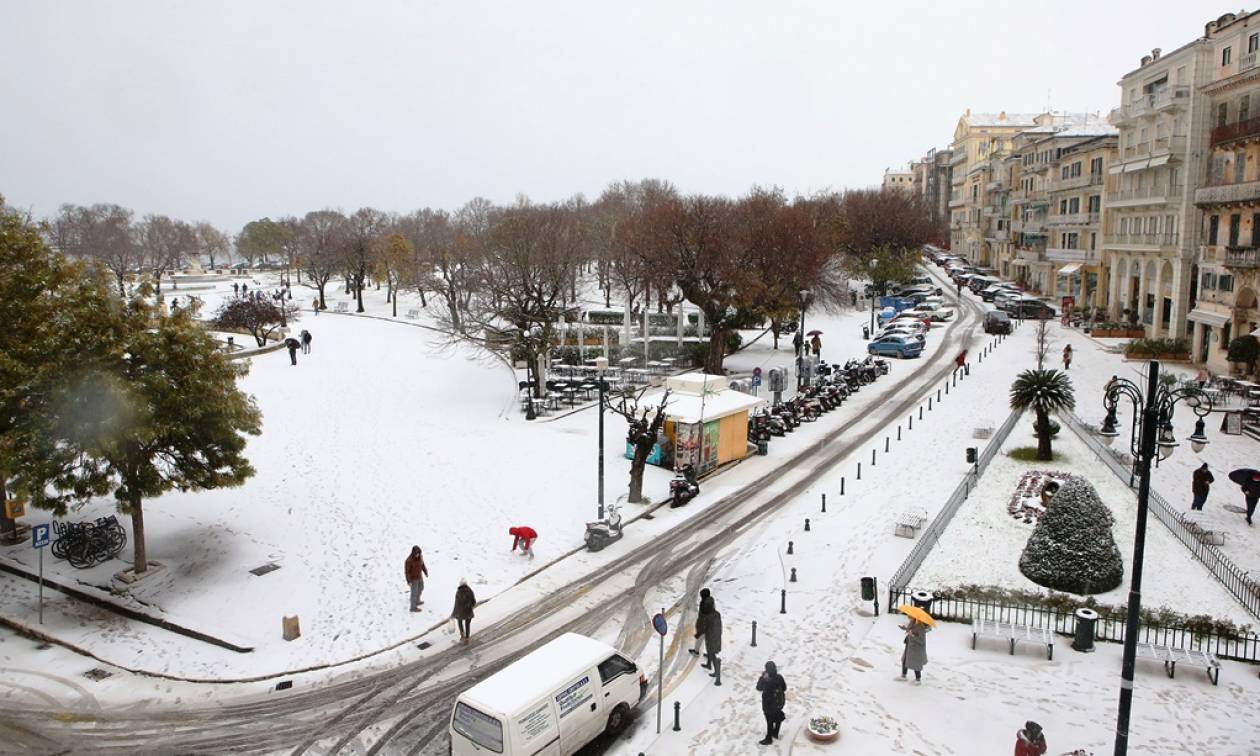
[[905, 328], [1000, 300], [935, 314]]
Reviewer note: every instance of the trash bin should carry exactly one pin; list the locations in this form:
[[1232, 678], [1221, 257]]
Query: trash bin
[[868, 589], [866, 333], [763, 448], [923, 600], [1083, 640]]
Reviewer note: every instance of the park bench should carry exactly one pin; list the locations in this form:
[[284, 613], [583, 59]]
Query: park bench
[[1207, 537], [413, 314], [1012, 632], [1170, 655], [342, 307], [909, 522]]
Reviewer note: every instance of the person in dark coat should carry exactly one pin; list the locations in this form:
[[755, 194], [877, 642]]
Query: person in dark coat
[[1030, 741], [707, 608], [915, 654], [798, 342], [236, 289], [816, 345], [1067, 357], [415, 571], [1251, 490], [293, 345], [1200, 486], [713, 644], [465, 600], [773, 698], [306, 341]]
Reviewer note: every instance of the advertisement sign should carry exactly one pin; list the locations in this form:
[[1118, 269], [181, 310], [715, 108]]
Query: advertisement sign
[[14, 508], [574, 696]]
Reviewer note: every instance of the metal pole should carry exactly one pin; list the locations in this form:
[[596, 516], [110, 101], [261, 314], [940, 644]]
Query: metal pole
[[660, 680], [1148, 429], [602, 386], [41, 586]]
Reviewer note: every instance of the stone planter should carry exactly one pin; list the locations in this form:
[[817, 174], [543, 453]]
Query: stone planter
[[822, 729], [1177, 357], [1118, 333]]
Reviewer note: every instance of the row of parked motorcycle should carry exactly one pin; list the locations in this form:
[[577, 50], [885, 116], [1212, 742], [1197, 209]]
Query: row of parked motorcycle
[[832, 384]]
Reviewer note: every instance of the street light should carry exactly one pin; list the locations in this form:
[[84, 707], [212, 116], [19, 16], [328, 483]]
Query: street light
[[802, 359], [873, 264], [1151, 435], [601, 367]]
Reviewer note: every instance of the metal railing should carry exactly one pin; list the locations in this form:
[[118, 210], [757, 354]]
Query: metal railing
[[1143, 240], [1237, 130], [1242, 257], [1228, 574], [1109, 627], [1154, 193], [932, 533]]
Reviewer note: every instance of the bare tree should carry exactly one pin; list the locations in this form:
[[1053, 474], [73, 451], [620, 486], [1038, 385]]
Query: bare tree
[[392, 256], [319, 241], [362, 230], [211, 242], [1042, 342], [101, 234], [166, 243], [645, 427]]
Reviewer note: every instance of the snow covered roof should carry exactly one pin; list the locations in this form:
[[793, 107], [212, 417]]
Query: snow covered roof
[[1001, 119], [688, 406], [538, 674]]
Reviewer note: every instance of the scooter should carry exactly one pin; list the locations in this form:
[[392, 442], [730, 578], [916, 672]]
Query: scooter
[[683, 488], [603, 532]]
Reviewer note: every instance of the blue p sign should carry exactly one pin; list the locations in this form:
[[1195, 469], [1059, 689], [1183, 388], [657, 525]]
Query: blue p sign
[[39, 536]]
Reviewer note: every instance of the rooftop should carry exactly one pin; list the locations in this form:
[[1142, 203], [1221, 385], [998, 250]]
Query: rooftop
[[538, 674]]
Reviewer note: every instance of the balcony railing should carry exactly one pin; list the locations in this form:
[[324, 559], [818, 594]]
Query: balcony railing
[[959, 156], [1247, 62], [1230, 132], [1143, 240], [1064, 254], [1068, 219], [1146, 195], [1226, 193], [1169, 145], [957, 201], [1242, 257], [1076, 182]]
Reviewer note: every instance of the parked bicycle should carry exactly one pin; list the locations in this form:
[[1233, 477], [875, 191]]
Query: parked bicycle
[[86, 544]]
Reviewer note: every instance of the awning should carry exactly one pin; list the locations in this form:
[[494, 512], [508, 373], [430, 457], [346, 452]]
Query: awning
[[1116, 168], [1208, 317], [1069, 269], [1136, 165], [1159, 160]]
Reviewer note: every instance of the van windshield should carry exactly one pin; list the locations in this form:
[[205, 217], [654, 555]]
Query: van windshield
[[480, 728]]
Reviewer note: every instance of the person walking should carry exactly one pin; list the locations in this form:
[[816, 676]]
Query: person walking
[[465, 600], [293, 345], [816, 345], [523, 536], [236, 289], [306, 341], [1067, 357], [961, 360], [315, 305], [713, 644], [707, 608], [798, 341], [1030, 741], [773, 698], [245, 290], [415, 571], [1200, 486], [914, 656], [1251, 492]]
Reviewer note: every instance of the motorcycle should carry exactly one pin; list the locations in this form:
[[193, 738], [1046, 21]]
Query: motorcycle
[[603, 532], [684, 487]]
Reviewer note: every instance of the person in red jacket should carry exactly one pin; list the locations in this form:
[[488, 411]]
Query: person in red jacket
[[1029, 741], [961, 359], [524, 537], [415, 571]]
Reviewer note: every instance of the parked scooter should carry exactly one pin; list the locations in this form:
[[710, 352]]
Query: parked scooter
[[684, 487], [603, 532]]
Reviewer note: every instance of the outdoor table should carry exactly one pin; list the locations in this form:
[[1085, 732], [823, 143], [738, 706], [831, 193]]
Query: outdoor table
[[553, 401], [627, 361], [540, 405], [656, 366], [571, 395], [637, 375], [587, 388]]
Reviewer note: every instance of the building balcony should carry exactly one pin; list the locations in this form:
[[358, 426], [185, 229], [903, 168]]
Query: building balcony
[[1076, 182], [957, 201], [958, 157], [1147, 195], [1246, 192], [1142, 241], [1247, 62], [1242, 257], [1028, 255], [1065, 255], [1068, 219], [1235, 132]]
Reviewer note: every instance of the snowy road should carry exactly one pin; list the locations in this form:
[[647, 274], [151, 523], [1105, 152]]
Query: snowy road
[[402, 709]]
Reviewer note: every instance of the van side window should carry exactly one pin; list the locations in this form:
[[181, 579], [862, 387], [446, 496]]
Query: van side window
[[480, 728], [613, 667]]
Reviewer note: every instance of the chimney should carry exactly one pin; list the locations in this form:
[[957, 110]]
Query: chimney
[[1146, 61], [1155, 53]]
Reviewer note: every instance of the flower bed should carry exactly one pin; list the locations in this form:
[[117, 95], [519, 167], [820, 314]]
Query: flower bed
[[1025, 504], [823, 729]]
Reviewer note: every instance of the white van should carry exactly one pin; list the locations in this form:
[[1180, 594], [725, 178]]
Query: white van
[[550, 702]]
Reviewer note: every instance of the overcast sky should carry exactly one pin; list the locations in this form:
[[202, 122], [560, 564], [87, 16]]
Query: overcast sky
[[230, 111]]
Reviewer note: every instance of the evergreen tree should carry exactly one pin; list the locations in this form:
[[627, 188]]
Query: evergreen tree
[[1072, 548]]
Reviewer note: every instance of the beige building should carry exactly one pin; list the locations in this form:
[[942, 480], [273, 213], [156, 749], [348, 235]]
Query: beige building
[[1228, 271], [902, 180], [1152, 230], [981, 140]]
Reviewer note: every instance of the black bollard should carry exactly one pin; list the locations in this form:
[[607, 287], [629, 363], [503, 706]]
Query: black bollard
[[824, 499], [790, 551], [872, 457], [842, 485], [947, 384], [754, 642], [677, 709], [886, 440], [898, 432], [859, 475], [921, 409], [806, 524], [783, 601], [967, 369], [793, 578]]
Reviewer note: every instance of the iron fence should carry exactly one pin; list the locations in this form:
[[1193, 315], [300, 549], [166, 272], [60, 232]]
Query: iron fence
[[1109, 627], [1199, 542]]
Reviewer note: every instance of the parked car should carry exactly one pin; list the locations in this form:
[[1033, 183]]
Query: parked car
[[1029, 307], [553, 700], [935, 314], [1001, 299], [895, 346], [989, 293], [996, 321], [904, 328]]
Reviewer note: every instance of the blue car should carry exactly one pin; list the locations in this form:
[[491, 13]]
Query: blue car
[[895, 346]]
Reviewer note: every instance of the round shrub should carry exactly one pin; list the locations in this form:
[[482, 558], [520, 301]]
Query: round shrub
[[1072, 548]]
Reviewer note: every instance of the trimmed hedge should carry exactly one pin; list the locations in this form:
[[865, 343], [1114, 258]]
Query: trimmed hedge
[[1072, 548]]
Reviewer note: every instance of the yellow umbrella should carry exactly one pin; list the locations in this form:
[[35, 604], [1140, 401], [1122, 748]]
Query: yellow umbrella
[[915, 612]]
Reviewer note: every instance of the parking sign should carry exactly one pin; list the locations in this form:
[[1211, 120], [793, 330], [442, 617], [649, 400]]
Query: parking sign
[[39, 536]]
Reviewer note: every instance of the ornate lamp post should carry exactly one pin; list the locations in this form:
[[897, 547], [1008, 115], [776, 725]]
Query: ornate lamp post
[[601, 367], [1152, 434], [802, 360], [874, 265]]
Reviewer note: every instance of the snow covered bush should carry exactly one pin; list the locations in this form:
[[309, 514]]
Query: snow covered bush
[[1072, 548]]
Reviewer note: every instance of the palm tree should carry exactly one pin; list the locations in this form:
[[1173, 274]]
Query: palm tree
[[1042, 391]]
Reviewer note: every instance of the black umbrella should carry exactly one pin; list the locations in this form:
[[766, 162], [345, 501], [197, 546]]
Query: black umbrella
[[1242, 475], [814, 333]]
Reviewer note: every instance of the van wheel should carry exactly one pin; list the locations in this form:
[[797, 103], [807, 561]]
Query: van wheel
[[617, 719]]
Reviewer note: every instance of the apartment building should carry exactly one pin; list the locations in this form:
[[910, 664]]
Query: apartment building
[[981, 141], [902, 180], [1152, 231], [931, 181], [1228, 270]]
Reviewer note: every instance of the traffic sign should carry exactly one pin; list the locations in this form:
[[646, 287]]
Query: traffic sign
[[756, 372], [658, 622], [756, 381], [39, 535]]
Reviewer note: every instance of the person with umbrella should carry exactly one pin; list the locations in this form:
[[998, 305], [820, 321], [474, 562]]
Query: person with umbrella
[[816, 343], [914, 656], [293, 345], [1200, 486], [1249, 480]]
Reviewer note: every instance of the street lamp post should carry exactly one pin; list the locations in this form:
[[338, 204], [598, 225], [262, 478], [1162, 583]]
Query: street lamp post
[[601, 367], [802, 359], [874, 265], [1151, 434]]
